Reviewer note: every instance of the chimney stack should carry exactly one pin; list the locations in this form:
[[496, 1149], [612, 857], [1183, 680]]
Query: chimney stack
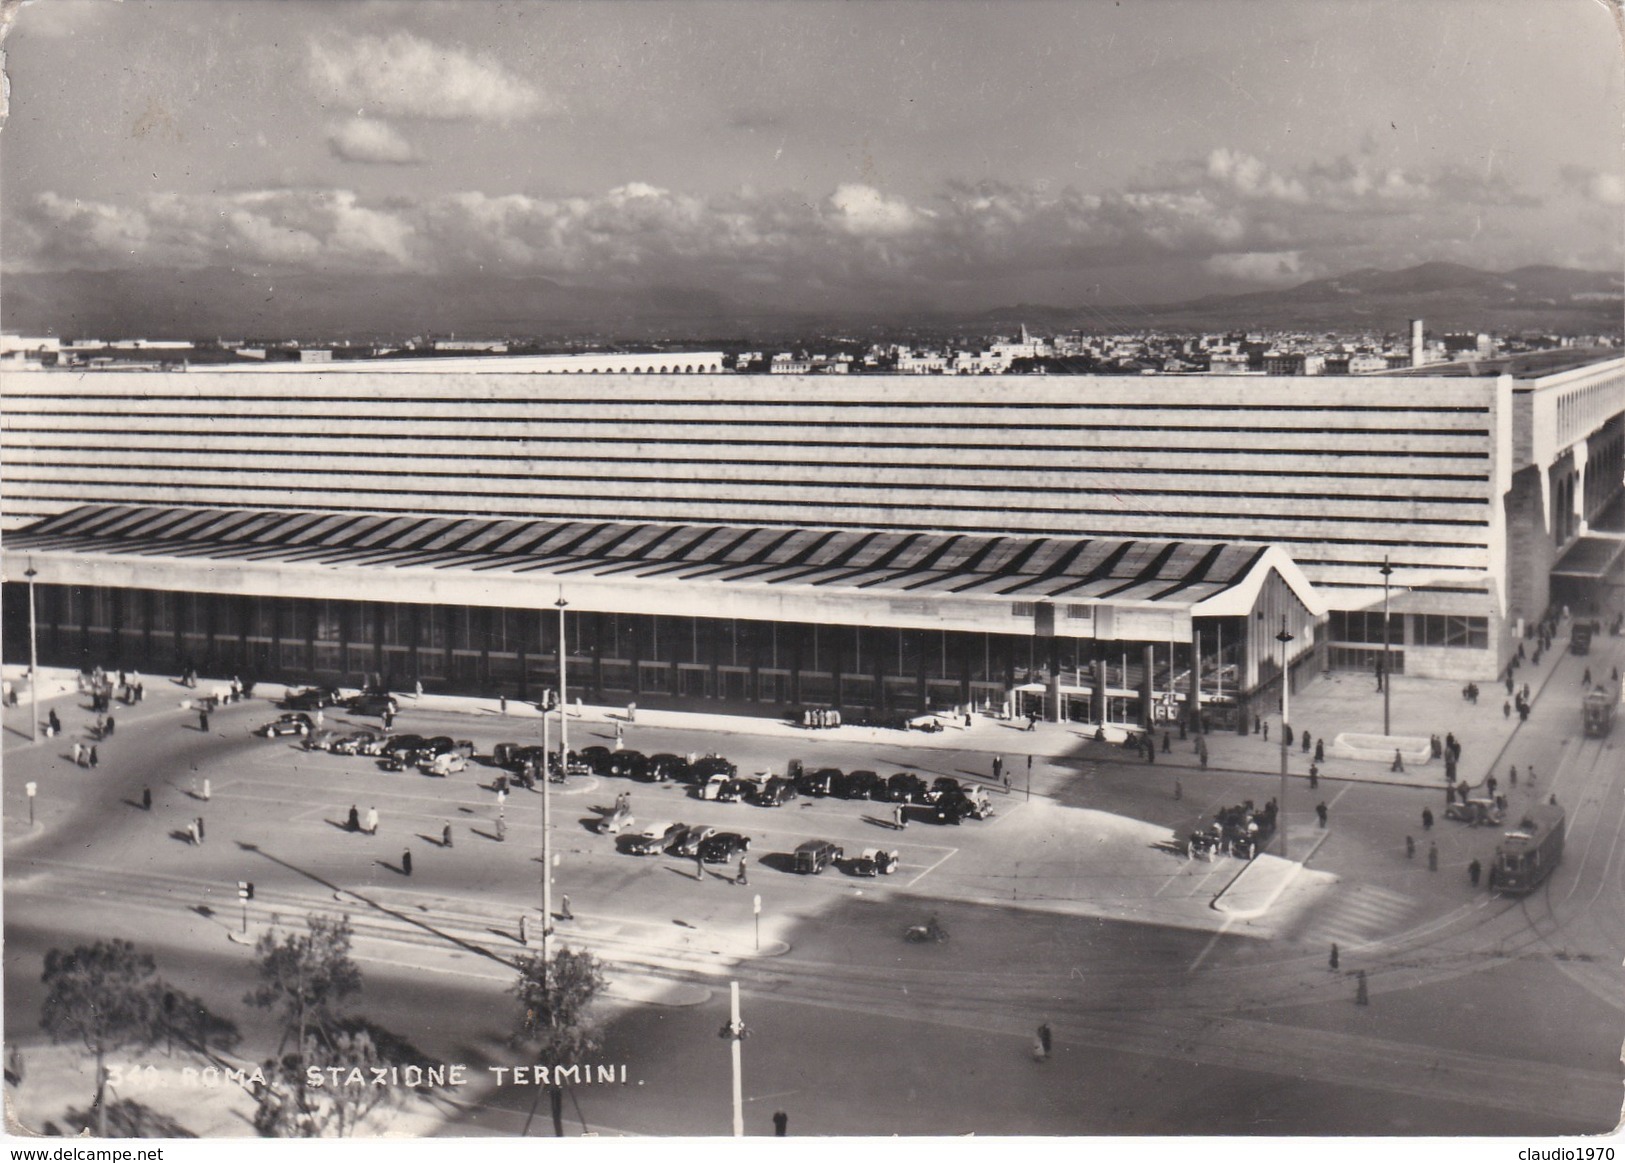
[[1416, 343]]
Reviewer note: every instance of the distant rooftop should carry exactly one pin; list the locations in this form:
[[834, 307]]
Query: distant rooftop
[[1523, 365]]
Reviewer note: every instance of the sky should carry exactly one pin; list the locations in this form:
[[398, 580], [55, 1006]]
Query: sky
[[873, 153]]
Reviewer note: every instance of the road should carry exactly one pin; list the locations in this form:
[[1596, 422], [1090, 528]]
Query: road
[[1486, 1015]]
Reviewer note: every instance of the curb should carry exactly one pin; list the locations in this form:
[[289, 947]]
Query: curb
[[1253, 913]]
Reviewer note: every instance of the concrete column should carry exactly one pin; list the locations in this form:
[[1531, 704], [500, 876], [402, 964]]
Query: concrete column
[[1055, 680], [1193, 691], [1097, 698], [1147, 697]]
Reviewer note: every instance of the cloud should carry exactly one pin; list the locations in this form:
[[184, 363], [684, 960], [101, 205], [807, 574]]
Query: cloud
[[361, 139], [1277, 267], [1595, 185], [405, 76], [863, 209]]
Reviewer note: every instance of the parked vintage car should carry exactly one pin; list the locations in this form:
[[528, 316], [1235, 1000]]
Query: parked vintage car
[[358, 742], [776, 792], [688, 844], [629, 764], [666, 766], [709, 765], [595, 758], [819, 783], [312, 698], [291, 723], [735, 791], [873, 862], [654, 839], [860, 785], [445, 763], [723, 847], [813, 856], [905, 788], [620, 820], [1475, 812], [373, 703]]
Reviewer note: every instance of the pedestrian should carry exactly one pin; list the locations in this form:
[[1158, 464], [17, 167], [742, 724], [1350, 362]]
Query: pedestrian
[[1286, 734], [1410, 848], [1427, 819], [200, 829], [389, 719], [502, 704], [1586, 678], [1150, 750], [372, 821], [1361, 996], [742, 879], [1032, 720], [203, 720], [146, 799], [1490, 786], [78, 754], [418, 689], [502, 801], [781, 1124], [1314, 776], [1435, 746], [1433, 857], [93, 759], [1167, 743], [1322, 813], [699, 867], [1201, 752], [206, 789], [353, 822], [406, 862], [564, 910], [1266, 731], [899, 817], [445, 835], [1046, 1039], [1531, 775], [620, 736], [192, 836], [55, 723], [1333, 960], [1512, 775], [502, 830], [1399, 762], [998, 769], [1506, 710], [524, 930], [1474, 871]]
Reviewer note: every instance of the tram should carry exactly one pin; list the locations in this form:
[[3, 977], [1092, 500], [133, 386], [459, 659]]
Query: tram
[[1597, 711], [1528, 853]]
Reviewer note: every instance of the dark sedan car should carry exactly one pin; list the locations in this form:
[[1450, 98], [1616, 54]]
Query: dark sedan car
[[312, 698], [776, 792], [596, 758], [407, 746], [735, 791], [819, 783], [630, 764], [905, 788], [723, 847], [814, 856], [292, 723], [372, 703], [710, 765], [859, 785], [667, 766]]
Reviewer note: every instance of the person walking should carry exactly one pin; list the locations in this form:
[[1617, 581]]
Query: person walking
[[1410, 848], [406, 862], [1266, 731], [781, 1124], [742, 878], [372, 821], [200, 829], [699, 867], [207, 792], [1474, 871], [1512, 775], [109, 726], [502, 830], [78, 753], [146, 799], [93, 759], [389, 718], [1314, 775], [1167, 743], [1399, 762], [203, 720], [445, 835], [998, 769], [620, 736], [192, 836], [53, 722], [353, 822], [1201, 753], [1322, 812], [1433, 857], [1320, 751], [1334, 960], [899, 817], [1427, 819], [1046, 1041]]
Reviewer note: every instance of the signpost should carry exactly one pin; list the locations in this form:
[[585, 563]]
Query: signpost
[[245, 893]]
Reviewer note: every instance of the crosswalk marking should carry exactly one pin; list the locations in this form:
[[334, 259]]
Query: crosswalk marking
[[1358, 915]]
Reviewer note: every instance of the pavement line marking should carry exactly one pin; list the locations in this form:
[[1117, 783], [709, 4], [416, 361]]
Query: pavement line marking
[[1208, 948], [952, 852]]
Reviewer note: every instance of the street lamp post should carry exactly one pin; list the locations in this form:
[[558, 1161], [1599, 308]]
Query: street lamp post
[[735, 1032], [547, 779], [33, 654], [1387, 671], [1280, 812]]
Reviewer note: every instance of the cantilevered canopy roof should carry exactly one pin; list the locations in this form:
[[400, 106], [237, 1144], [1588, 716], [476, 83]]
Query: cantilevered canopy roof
[[1589, 557], [877, 565]]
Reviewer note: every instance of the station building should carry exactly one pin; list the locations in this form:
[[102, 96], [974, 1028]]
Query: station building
[[1097, 547]]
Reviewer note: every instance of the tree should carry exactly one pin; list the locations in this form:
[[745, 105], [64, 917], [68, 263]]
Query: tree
[[555, 996], [107, 995], [289, 1108], [305, 978]]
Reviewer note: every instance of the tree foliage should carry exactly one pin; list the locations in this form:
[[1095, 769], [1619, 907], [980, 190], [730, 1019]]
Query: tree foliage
[[555, 998], [108, 996], [306, 977], [290, 1109]]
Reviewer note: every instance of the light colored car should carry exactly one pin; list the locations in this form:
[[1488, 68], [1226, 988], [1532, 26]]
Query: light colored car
[[654, 839], [688, 844], [446, 763], [618, 821]]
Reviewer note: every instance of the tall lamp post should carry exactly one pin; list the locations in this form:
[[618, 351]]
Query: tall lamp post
[[1387, 672], [33, 654], [1286, 682], [547, 779]]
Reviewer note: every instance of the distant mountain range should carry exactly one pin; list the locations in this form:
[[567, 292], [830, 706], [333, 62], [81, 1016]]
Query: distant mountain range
[[222, 301], [1447, 296]]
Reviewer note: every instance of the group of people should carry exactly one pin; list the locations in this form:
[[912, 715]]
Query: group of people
[[1236, 831], [353, 823], [817, 717]]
